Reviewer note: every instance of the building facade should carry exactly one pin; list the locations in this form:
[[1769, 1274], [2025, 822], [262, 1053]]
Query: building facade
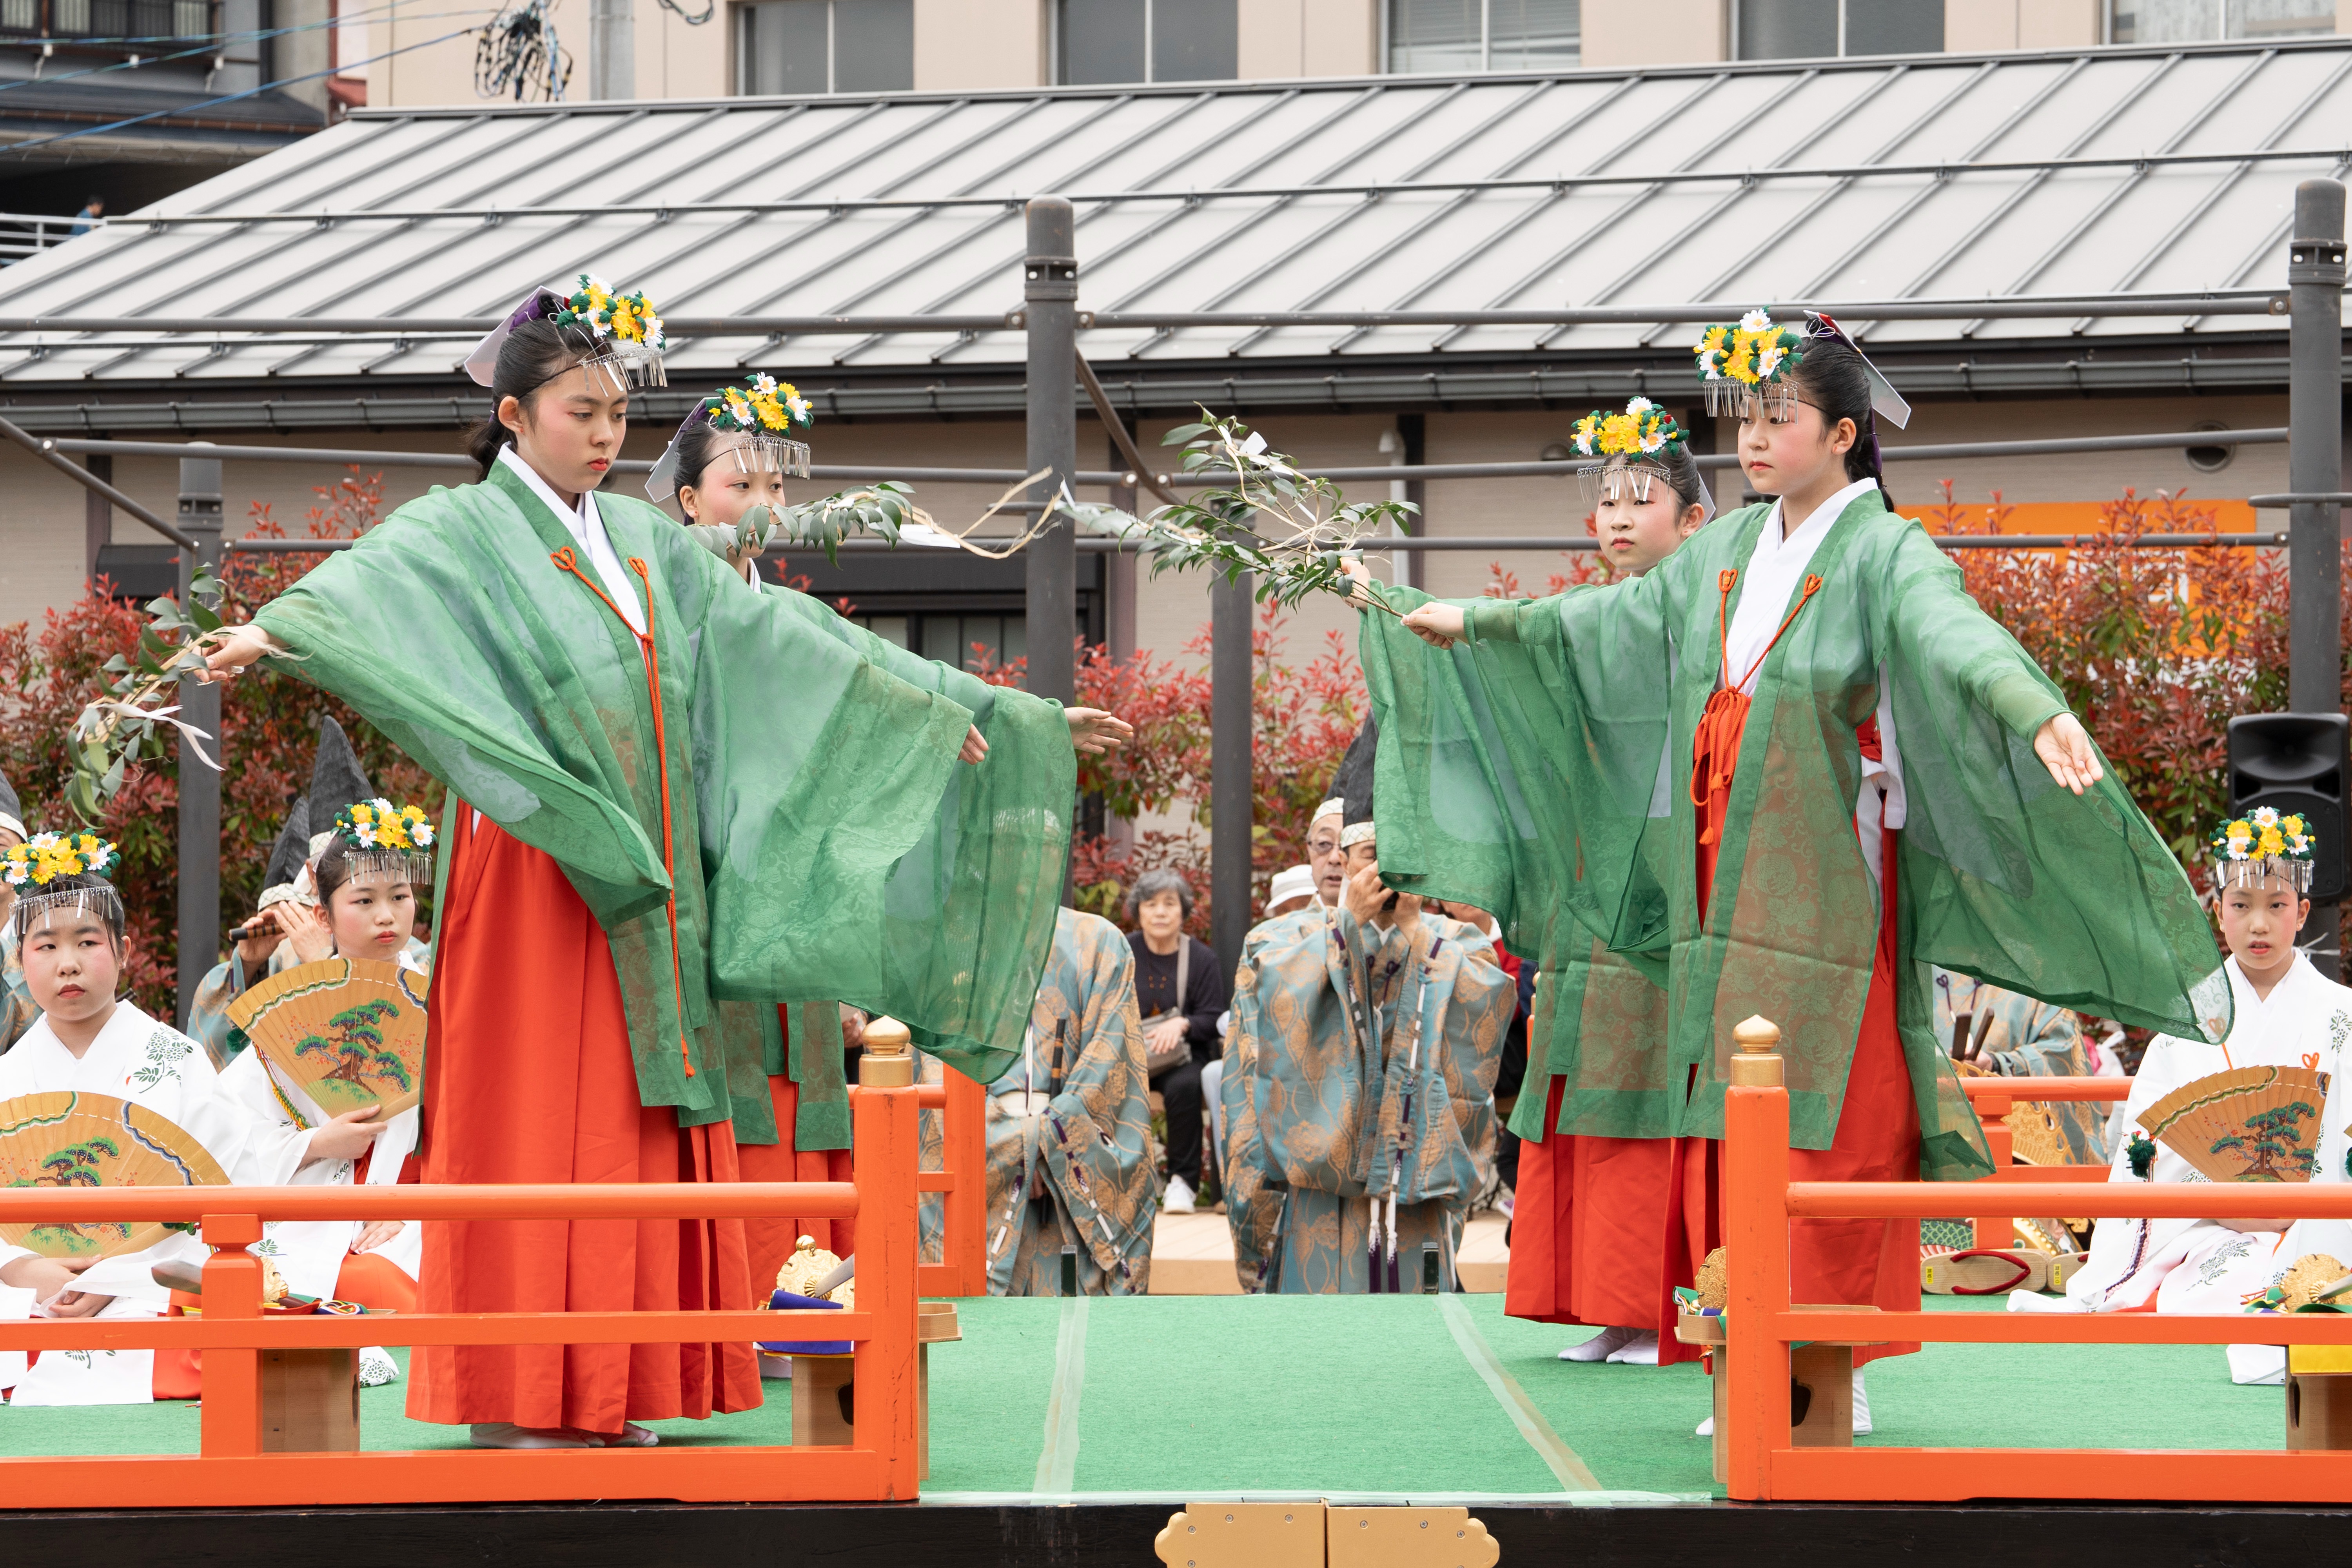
[[718, 48]]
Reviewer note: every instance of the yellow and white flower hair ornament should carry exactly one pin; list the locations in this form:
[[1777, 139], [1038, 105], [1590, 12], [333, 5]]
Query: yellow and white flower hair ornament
[[384, 842], [1750, 365], [2261, 844], [623, 332], [1628, 452], [38, 870], [764, 413]]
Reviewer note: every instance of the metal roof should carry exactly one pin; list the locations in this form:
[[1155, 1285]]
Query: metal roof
[[2153, 171]]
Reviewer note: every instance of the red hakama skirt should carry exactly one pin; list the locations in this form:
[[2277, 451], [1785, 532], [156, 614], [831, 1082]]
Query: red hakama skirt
[[1852, 1262], [1587, 1229], [531, 1079]]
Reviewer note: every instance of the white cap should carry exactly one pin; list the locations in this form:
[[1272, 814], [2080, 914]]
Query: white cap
[[1297, 882], [1335, 806], [1355, 833]]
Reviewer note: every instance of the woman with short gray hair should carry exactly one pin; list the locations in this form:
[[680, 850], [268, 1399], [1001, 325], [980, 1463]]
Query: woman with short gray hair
[[1181, 988]]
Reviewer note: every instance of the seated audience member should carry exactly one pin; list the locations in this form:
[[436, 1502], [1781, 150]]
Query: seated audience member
[[2287, 1014], [1291, 890], [1180, 987], [68, 923]]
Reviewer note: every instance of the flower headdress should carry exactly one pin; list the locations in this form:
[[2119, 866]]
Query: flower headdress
[[765, 414], [2263, 844], [626, 334], [34, 869], [1747, 364], [1629, 450], [384, 842], [1750, 365]]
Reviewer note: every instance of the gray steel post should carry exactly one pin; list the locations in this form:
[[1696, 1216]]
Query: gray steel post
[[200, 786], [611, 49], [1050, 296], [1231, 768], [2315, 465]]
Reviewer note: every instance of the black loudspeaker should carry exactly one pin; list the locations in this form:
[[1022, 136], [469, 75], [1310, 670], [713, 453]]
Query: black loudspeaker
[[2298, 764]]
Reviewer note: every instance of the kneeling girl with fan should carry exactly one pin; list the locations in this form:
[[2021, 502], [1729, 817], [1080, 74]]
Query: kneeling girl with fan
[[2249, 1109], [336, 1066], [98, 1094]]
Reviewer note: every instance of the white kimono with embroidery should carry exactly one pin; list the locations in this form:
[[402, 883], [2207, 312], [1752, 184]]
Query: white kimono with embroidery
[[153, 1064], [2202, 1266]]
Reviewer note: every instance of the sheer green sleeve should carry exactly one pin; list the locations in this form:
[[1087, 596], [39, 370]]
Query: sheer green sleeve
[[2010, 876]]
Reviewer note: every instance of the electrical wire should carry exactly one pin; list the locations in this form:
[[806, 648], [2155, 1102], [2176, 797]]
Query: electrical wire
[[213, 43], [519, 53], [226, 98]]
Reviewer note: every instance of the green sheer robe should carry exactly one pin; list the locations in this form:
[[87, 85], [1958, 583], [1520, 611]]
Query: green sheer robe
[[1518, 771], [826, 843]]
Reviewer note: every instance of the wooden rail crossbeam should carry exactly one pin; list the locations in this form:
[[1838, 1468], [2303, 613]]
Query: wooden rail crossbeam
[[1760, 1326], [232, 1470]]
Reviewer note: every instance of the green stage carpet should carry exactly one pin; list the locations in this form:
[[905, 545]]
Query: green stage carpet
[[1393, 1395]]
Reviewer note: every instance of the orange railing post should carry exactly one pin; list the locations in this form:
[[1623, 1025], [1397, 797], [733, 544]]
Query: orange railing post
[[1756, 1237], [232, 1377], [889, 1249], [1995, 1233]]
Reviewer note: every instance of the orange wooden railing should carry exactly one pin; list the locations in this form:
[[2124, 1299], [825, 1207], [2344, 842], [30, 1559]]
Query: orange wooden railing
[[964, 1270], [232, 1470], [1760, 1326], [1992, 1098]]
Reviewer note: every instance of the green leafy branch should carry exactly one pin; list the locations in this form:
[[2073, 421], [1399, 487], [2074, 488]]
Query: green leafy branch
[[120, 728], [1292, 531]]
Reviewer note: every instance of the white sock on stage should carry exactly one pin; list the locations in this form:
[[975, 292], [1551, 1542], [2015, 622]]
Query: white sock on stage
[[1861, 1406], [1602, 1346], [1642, 1349]]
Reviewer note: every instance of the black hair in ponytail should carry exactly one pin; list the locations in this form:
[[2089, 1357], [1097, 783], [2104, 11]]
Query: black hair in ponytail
[[534, 353], [698, 443], [1831, 378]]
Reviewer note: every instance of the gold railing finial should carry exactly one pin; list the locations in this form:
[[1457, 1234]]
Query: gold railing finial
[[889, 1058], [1756, 1063]]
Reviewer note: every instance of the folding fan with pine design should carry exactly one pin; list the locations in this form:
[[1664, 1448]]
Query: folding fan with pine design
[[83, 1141], [347, 1032], [2245, 1124]]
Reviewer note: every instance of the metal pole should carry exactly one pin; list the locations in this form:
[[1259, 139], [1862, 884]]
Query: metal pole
[[200, 786], [2315, 275], [611, 50], [1050, 296], [1231, 767]]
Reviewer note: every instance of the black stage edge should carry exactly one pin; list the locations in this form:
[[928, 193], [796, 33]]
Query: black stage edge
[[1119, 1535]]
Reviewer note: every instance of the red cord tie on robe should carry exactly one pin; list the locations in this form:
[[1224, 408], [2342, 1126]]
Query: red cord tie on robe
[[1715, 749], [566, 562]]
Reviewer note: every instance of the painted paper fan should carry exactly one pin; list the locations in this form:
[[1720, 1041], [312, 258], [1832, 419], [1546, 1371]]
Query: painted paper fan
[[347, 1032], [2247, 1124], [71, 1140]]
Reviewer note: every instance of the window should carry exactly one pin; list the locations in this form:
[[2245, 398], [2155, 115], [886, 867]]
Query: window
[[824, 46], [1817, 29], [1484, 34], [1146, 40], [2209, 21]]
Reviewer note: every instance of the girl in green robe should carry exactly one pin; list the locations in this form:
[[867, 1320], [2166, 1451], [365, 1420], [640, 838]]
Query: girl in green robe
[[1798, 876], [665, 790]]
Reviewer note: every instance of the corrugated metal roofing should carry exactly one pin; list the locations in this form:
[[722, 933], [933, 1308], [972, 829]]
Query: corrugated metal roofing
[[1925, 177]]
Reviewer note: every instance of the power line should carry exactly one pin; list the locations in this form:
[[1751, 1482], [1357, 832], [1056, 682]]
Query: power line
[[226, 98], [214, 42]]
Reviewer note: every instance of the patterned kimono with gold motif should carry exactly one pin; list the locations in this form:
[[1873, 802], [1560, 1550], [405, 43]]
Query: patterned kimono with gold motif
[[1371, 1067], [1069, 1145]]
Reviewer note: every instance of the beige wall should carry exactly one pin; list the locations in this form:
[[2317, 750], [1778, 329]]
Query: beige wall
[[1658, 33], [979, 45], [444, 72], [1308, 37], [1972, 25]]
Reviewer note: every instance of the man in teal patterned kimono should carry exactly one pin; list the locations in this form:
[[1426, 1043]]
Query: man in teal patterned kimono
[[1372, 1036], [1254, 1196], [1069, 1147]]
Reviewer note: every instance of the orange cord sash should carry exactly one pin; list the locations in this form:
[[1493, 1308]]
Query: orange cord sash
[[1715, 750], [565, 561]]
